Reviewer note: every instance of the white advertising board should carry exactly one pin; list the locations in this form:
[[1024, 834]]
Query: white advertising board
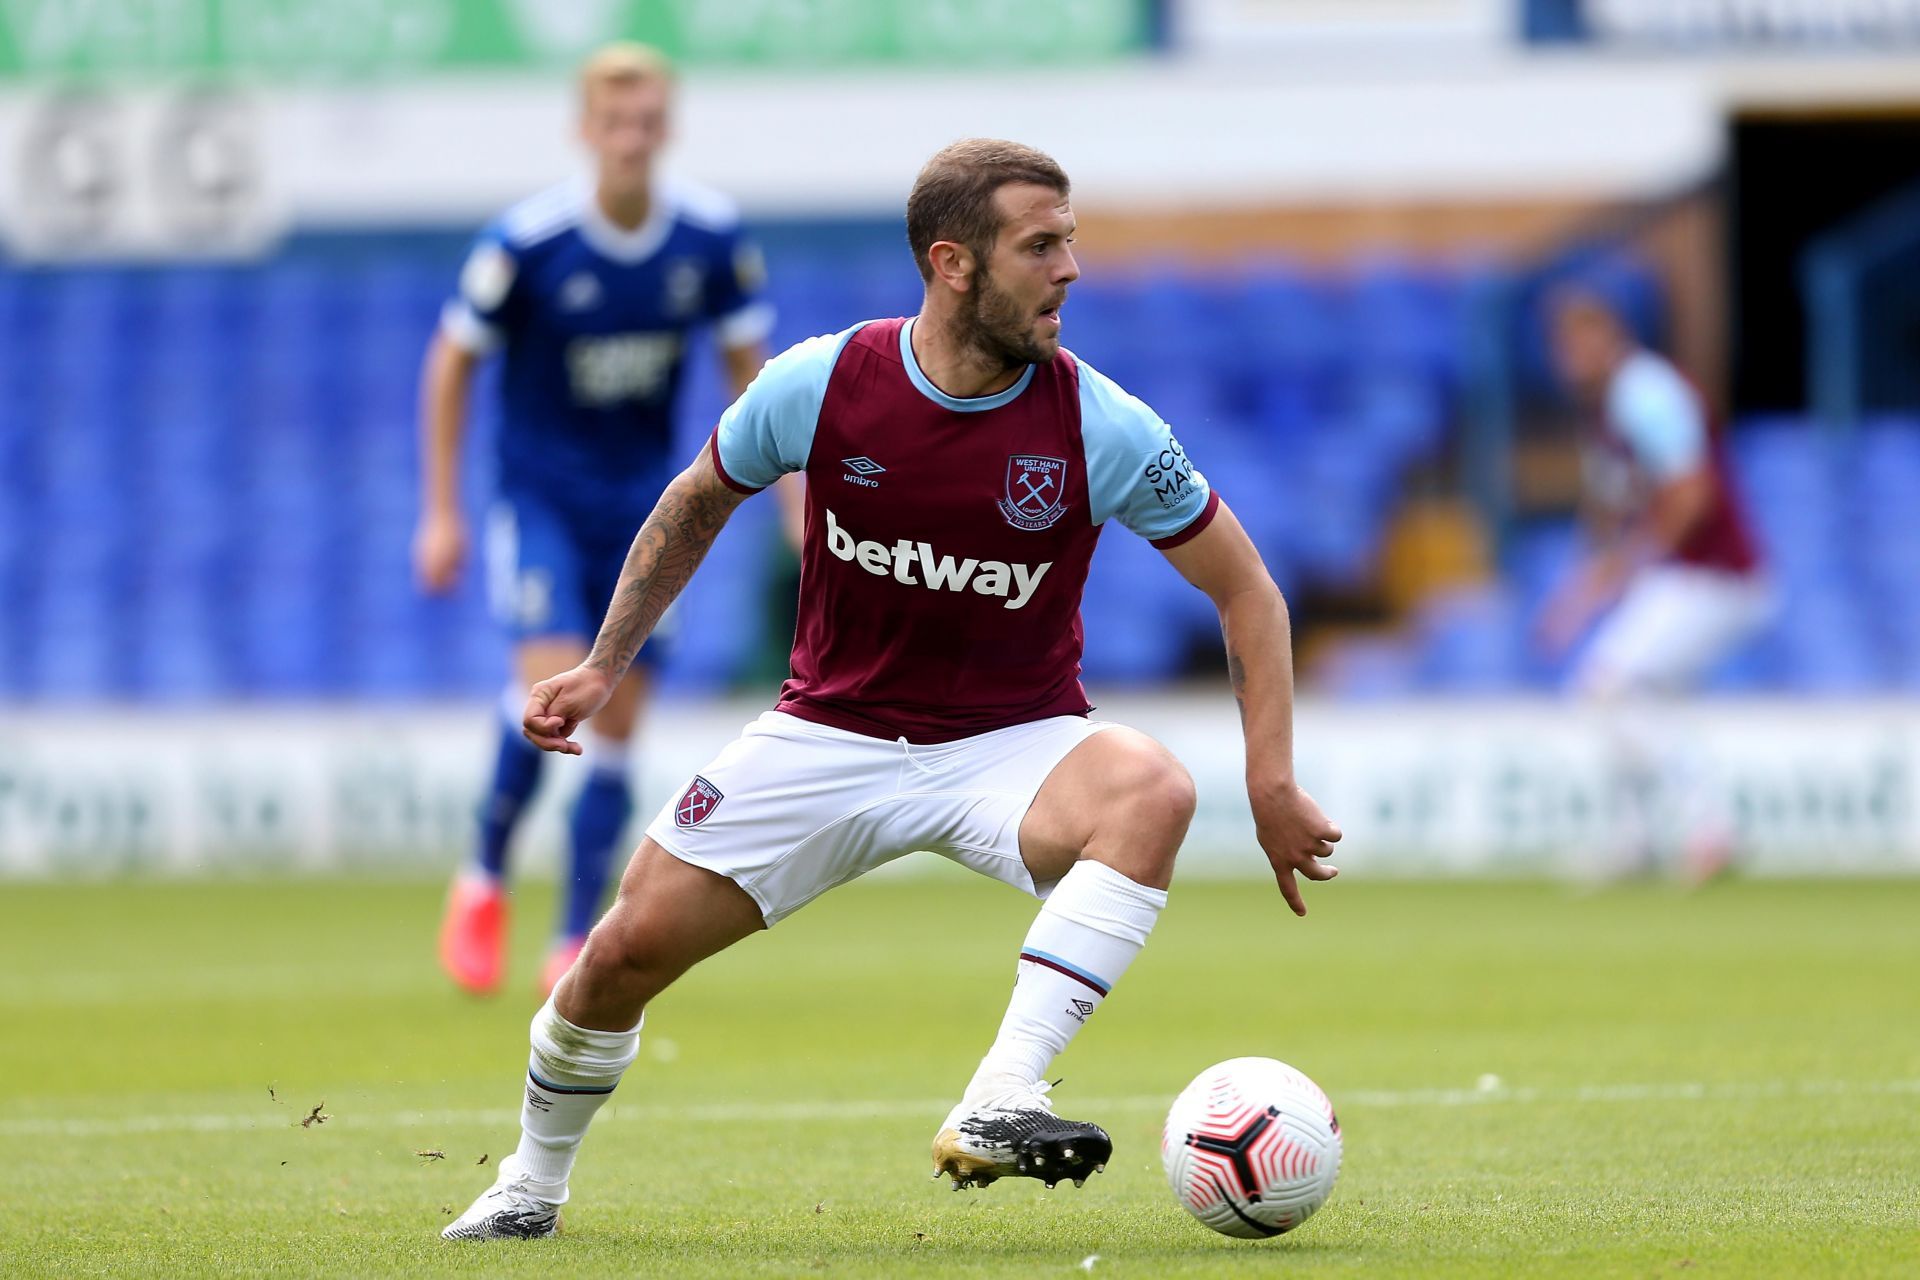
[[1517, 788]]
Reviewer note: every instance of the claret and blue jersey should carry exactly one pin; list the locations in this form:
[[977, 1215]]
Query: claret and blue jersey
[[948, 539], [591, 321]]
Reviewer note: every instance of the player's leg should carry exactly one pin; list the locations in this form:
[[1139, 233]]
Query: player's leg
[[599, 818], [1672, 627], [605, 799], [669, 916], [473, 930], [782, 814], [1099, 838], [527, 552], [1622, 667]]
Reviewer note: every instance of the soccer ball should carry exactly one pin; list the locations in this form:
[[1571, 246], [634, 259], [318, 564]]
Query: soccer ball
[[1251, 1147]]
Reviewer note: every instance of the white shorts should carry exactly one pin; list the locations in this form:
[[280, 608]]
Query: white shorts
[[791, 808], [1672, 626]]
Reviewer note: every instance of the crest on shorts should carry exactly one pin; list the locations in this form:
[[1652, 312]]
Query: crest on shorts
[[1036, 495], [696, 803]]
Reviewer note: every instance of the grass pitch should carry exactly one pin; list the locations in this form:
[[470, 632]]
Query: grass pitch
[[1531, 1082]]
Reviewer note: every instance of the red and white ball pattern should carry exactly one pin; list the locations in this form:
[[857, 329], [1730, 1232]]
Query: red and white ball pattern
[[1251, 1147]]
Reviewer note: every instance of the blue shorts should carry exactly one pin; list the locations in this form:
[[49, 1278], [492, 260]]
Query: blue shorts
[[550, 575]]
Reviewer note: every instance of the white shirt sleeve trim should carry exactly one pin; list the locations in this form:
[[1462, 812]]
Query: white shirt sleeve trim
[[746, 327], [465, 329]]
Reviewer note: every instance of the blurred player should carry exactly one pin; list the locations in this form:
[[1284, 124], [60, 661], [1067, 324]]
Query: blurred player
[[959, 468], [1673, 576], [589, 291]]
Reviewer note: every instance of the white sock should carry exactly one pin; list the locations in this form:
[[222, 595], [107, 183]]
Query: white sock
[[602, 754], [570, 1074], [1088, 932]]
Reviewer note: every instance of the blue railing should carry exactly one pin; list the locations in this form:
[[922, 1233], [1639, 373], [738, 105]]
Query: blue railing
[[1860, 283]]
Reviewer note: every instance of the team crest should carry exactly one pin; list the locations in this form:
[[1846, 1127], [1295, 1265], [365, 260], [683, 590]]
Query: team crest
[[684, 285], [581, 292], [696, 803], [1036, 491]]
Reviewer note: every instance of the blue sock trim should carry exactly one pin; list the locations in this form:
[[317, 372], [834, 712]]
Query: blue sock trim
[[1067, 967]]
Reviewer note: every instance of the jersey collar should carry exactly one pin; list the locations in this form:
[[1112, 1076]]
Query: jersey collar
[[614, 241], [971, 404]]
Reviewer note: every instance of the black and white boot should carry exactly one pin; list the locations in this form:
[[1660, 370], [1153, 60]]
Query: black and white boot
[[1015, 1133], [508, 1210]]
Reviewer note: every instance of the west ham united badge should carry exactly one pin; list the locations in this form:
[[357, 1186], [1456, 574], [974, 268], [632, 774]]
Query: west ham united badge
[[1036, 491], [696, 803]]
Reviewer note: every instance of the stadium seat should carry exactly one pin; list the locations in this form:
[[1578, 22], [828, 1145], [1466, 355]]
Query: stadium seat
[[241, 466]]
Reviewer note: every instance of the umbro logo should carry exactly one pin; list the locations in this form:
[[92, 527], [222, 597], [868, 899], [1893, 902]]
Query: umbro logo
[[1081, 1010], [861, 471]]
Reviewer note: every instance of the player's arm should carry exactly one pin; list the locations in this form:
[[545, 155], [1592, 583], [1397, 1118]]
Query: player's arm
[[474, 323], [1223, 562], [1673, 510], [765, 434], [440, 542], [744, 318], [666, 551], [1678, 504], [743, 364]]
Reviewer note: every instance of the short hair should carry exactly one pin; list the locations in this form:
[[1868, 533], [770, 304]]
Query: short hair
[[952, 199], [624, 62]]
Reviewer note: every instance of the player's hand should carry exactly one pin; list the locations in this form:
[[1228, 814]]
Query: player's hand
[[439, 551], [558, 705], [1570, 610], [1562, 619], [1296, 837]]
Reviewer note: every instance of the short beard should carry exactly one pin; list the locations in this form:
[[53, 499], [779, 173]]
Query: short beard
[[993, 326]]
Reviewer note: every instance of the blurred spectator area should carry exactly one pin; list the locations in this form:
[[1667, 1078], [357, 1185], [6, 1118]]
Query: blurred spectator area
[[208, 477], [210, 472]]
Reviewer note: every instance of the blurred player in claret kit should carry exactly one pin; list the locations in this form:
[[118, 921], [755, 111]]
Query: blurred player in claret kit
[[959, 467], [589, 291], [1673, 576]]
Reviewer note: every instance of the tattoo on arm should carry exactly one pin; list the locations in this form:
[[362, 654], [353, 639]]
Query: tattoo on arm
[[1237, 676], [666, 551]]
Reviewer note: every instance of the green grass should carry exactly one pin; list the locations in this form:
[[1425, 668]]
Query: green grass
[[1724, 1083]]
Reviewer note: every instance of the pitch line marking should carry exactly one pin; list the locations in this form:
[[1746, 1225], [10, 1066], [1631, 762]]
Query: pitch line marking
[[725, 1112]]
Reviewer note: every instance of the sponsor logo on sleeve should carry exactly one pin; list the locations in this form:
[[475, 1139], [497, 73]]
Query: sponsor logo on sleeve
[[1169, 474], [749, 268], [487, 277], [696, 803], [1036, 494]]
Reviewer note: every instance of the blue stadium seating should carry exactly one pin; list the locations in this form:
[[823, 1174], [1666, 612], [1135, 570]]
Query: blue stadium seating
[[208, 476]]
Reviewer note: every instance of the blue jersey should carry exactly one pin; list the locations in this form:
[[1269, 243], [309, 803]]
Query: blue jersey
[[592, 322]]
